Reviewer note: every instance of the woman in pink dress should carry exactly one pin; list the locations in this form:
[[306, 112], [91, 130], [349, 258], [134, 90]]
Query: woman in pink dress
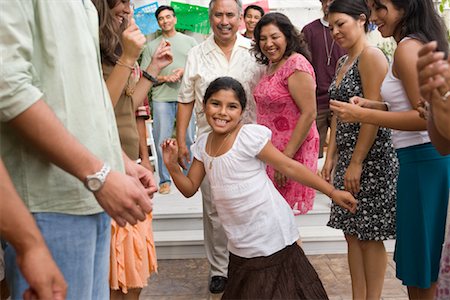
[[286, 102]]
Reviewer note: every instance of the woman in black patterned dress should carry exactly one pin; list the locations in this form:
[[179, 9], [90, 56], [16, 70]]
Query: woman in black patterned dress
[[362, 155]]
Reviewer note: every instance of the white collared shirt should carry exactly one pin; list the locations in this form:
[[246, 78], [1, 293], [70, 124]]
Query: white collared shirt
[[206, 62]]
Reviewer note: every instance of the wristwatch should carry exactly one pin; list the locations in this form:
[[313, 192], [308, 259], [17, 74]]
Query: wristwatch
[[150, 77], [95, 181]]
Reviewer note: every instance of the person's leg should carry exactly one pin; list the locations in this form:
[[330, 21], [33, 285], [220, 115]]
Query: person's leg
[[415, 293], [214, 235], [375, 261], [164, 114], [190, 139], [72, 240], [323, 123], [356, 266], [101, 261]]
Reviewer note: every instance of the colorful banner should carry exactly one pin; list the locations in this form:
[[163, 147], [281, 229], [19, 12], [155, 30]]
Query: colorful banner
[[145, 17], [191, 17]]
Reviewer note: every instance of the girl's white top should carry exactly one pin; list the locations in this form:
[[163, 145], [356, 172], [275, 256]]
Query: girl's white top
[[393, 92], [256, 218]]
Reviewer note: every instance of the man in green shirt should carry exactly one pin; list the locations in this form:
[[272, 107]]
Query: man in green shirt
[[165, 95], [59, 140]]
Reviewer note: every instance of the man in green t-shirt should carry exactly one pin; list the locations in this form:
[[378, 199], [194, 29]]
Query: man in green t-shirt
[[165, 94]]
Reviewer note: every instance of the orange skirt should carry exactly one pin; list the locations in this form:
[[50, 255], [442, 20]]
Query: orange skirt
[[133, 255]]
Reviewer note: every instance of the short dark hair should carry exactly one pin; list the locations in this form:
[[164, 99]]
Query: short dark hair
[[294, 38], [255, 7], [353, 8], [228, 84], [164, 7]]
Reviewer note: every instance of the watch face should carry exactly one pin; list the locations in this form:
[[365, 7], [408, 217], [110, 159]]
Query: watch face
[[94, 184]]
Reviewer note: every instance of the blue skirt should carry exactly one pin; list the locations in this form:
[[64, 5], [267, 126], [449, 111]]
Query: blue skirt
[[422, 198]]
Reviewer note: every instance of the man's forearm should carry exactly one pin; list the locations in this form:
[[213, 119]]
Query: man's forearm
[[184, 114], [40, 127]]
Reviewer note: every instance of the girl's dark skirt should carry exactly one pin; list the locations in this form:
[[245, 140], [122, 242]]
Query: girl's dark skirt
[[286, 274]]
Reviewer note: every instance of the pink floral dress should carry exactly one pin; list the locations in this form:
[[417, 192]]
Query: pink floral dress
[[443, 286], [277, 110]]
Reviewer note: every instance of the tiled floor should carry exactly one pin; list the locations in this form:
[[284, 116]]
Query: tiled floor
[[187, 279]]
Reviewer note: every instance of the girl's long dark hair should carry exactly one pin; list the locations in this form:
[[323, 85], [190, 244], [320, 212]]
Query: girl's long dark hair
[[421, 21], [294, 38], [110, 41]]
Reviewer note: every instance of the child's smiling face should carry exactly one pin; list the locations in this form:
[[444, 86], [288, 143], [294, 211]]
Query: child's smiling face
[[223, 111]]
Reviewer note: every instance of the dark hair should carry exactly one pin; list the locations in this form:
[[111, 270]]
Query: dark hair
[[109, 34], [353, 8], [163, 7], [255, 7], [294, 38], [420, 21], [228, 84]]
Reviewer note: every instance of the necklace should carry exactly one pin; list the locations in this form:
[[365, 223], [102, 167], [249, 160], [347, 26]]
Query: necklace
[[326, 46], [218, 150]]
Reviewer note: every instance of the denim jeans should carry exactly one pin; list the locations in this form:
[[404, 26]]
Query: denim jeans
[[164, 115], [80, 246]]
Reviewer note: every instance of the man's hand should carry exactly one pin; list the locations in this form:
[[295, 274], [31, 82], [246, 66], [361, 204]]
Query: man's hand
[[175, 76], [125, 198], [184, 157], [42, 274], [434, 71]]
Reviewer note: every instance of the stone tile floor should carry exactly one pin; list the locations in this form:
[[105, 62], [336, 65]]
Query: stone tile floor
[[187, 279]]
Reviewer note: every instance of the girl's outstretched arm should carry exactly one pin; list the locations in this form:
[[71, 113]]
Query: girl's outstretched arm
[[300, 173], [188, 185]]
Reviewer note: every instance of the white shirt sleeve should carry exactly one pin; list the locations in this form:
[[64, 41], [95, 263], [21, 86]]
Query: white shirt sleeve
[[187, 88], [254, 138], [198, 148], [18, 83]]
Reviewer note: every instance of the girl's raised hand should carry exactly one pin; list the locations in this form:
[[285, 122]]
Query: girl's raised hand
[[170, 152], [133, 42], [345, 200]]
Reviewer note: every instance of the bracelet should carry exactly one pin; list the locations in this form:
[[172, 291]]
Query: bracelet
[[150, 77], [331, 193], [119, 63]]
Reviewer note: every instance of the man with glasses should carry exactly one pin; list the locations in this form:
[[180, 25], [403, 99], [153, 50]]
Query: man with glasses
[[165, 93]]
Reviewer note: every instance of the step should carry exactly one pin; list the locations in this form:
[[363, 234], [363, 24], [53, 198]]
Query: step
[[316, 240], [173, 211]]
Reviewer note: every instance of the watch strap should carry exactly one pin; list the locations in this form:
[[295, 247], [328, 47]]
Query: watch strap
[[100, 175], [150, 77]]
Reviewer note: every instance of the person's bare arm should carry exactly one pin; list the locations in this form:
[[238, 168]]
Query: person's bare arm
[[143, 148], [301, 87], [187, 185], [372, 67], [120, 194], [18, 227], [434, 81], [184, 114], [132, 43]]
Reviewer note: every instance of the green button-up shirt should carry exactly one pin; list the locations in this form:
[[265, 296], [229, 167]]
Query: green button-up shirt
[[49, 49]]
